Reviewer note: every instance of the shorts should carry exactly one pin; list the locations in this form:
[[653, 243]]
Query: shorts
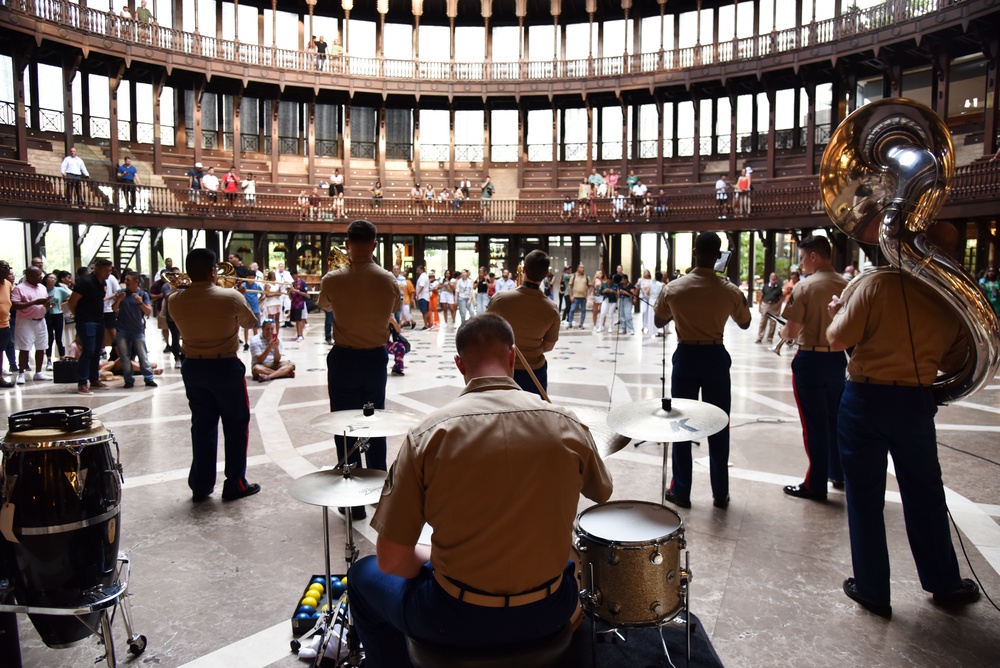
[[111, 320], [30, 334], [297, 314], [722, 197], [338, 189], [273, 309], [423, 305]]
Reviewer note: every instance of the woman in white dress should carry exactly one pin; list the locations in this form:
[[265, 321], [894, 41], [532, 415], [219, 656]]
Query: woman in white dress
[[645, 307], [447, 295]]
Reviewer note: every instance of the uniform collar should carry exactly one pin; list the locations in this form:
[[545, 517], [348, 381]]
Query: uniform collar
[[703, 271], [486, 383]]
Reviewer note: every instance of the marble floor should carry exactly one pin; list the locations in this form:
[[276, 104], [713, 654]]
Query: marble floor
[[215, 584]]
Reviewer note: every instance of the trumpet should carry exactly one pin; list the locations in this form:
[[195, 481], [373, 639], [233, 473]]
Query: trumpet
[[776, 348], [225, 270]]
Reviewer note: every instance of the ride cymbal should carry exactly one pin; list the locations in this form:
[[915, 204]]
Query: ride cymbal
[[355, 423], [608, 442], [330, 488], [687, 420]]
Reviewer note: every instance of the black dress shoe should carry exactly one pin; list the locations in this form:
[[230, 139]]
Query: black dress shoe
[[967, 592], [357, 512], [721, 503], [198, 498], [880, 609], [801, 492], [249, 489], [837, 484], [676, 500]]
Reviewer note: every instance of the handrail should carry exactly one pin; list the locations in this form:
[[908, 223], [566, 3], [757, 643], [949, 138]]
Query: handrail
[[777, 197], [851, 23]]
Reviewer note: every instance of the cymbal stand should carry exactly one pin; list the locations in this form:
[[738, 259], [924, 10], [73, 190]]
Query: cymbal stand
[[328, 620]]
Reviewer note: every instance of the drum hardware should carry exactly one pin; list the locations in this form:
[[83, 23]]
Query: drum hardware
[[65, 571], [345, 485]]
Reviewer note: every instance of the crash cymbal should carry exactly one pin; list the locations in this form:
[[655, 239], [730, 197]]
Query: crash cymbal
[[608, 442], [687, 419], [355, 423], [330, 487]]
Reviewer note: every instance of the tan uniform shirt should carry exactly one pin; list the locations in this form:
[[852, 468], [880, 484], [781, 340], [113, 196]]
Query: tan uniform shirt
[[874, 320], [578, 286], [5, 289], [209, 319], [700, 303], [362, 296], [534, 319], [497, 473], [808, 303]]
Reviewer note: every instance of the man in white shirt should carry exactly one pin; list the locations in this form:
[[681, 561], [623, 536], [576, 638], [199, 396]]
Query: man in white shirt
[[111, 289], [722, 188], [73, 170], [463, 294], [506, 282], [210, 184], [423, 296], [285, 278], [265, 350]]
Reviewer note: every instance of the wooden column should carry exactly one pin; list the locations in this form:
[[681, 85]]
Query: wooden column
[[769, 259], [275, 104], [380, 158], [991, 121], [114, 81], [451, 129], [940, 80], [238, 131], [771, 133], [658, 99], [416, 142], [34, 113], [347, 139], [733, 149], [811, 128], [522, 142], [625, 138], [133, 113], [487, 145], [696, 156], [71, 65], [590, 136], [199, 93], [158, 83], [311, 138]]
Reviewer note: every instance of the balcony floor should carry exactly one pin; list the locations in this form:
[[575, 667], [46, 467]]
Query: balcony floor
[[767, 571]]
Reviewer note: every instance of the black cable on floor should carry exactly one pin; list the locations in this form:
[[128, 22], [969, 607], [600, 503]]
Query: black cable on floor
[[961, 544], [966, 452]]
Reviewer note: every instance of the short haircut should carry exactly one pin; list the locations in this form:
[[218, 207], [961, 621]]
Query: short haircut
[[199, 263], [536, 266], [483, 330], [102, 262], [361, 231], [708, 244], [816, 244], [237, 256]]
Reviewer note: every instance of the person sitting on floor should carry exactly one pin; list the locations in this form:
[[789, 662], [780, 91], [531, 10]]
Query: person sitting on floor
[[265, 350]]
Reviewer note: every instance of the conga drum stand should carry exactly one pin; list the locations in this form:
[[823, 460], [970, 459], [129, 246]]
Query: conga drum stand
[[105, 601]]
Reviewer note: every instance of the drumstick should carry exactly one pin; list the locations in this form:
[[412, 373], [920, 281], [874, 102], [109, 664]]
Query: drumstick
[[531, 373]]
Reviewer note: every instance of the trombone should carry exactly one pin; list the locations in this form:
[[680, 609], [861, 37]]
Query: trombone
[[225, 270]]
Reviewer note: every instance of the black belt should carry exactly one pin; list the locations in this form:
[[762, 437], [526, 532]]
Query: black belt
[[711, 342], [815, 349], [36, 319], [219, 356], [878, 381], [362, 350]]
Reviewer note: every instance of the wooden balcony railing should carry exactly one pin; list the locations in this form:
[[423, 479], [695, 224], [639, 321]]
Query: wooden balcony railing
[[773, 199], [854, 22]]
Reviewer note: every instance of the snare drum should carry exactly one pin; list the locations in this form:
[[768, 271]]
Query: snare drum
[[630, 562], [61, 495]]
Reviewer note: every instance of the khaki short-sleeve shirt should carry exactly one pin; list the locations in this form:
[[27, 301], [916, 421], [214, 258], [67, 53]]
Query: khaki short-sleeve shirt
[[808, 303], [534, 319], [209, 319], [497, 474], [361, 296], [895, 338], [700, 303]]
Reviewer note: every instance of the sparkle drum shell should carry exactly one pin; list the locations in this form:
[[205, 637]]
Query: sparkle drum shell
[[59, 523], [630, 562]]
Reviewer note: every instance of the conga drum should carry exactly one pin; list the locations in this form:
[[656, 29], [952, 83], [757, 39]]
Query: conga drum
[[60, 489]]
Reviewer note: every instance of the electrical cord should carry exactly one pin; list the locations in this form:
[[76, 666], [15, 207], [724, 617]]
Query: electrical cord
[[971, 454], [961, 544]]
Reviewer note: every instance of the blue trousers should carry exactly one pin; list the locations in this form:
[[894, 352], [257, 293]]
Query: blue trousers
[[328, 325], [129, 344], [818, 381], [91, 335], [354, 378], [703, 369], [387, 609], [876, 420], [523, 379], [217, 390], [579, 304]]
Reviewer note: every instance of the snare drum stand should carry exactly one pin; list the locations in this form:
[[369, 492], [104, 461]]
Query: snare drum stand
[[327, 621], [590, 598]]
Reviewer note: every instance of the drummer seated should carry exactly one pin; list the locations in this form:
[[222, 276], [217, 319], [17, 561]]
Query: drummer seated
[[497, 474], [265, 350]]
